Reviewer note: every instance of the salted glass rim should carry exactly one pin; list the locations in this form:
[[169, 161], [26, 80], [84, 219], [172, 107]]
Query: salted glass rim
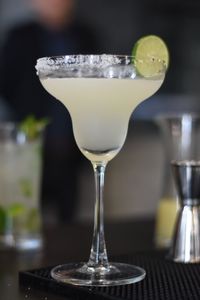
[[92, 59], [49, 64]]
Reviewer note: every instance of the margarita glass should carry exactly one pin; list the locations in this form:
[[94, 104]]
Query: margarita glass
[[100, 92]]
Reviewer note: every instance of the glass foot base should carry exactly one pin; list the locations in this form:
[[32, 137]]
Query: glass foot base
[[84, 275]]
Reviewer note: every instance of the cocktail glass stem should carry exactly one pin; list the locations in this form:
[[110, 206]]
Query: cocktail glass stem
[[97, 271], [98, 255]]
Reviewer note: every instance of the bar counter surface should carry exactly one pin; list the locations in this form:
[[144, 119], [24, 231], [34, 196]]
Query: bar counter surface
[[70, 243]]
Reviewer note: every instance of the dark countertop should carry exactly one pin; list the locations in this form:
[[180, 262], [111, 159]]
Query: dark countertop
[[70, 243]]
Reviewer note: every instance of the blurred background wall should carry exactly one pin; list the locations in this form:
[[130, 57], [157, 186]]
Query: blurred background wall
[[118, 24], [131, 190]]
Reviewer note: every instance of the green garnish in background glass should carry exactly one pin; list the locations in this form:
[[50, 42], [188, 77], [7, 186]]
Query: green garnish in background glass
[[16, 209], [3, 220], [26, 187], [32, 127]]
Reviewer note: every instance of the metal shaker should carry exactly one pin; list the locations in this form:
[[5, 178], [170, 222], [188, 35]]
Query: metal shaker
[[185, 246]]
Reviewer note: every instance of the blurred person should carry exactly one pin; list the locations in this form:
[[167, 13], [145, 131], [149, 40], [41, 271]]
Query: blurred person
[[54, 32]]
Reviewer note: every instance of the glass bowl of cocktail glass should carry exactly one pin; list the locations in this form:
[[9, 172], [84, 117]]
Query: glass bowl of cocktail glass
[[100, 93]]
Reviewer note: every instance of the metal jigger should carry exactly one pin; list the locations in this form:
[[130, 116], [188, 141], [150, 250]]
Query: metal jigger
[[185, 246]]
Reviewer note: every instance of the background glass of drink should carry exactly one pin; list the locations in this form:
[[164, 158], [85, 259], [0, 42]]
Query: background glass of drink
[[20, 174]]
